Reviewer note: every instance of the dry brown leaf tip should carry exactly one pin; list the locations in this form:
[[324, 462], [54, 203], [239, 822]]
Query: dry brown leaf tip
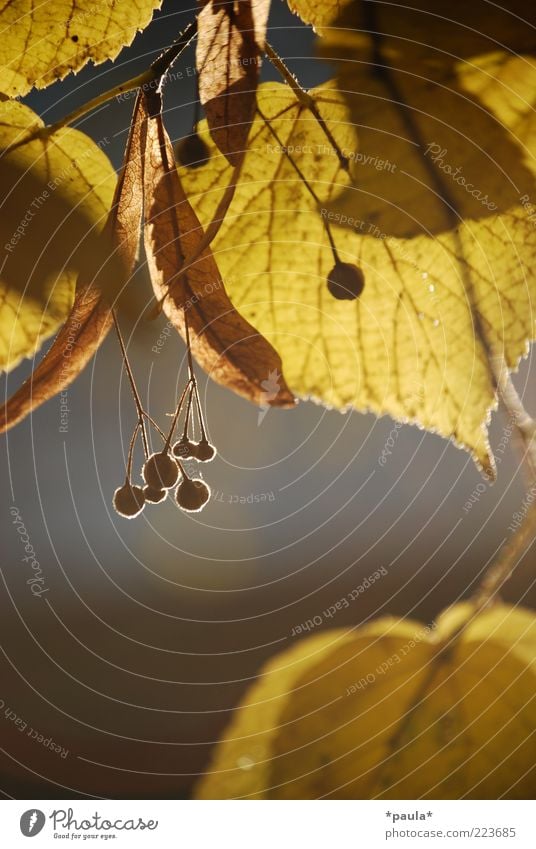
[[193, 294]]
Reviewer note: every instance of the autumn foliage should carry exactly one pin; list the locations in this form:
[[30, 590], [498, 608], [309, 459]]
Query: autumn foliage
[[388, 215]]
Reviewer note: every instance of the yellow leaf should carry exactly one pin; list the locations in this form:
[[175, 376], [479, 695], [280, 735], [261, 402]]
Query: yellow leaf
[[56, 193], [416, 343], [99, 281], [43, 42], [386, 711], [195, 301]]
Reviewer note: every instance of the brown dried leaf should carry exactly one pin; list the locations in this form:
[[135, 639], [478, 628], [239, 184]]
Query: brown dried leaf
[[91, 314], [230, 39], [227, 347]]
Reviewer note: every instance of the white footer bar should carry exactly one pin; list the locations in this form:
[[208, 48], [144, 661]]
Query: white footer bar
[[269, 825]]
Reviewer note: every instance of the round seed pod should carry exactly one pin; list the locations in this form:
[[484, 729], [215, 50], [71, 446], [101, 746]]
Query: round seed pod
[[160, 471], [204, 451], [154, 496], [129, 500], [184, 449], [346, 281], [192, 151], [192, 494]]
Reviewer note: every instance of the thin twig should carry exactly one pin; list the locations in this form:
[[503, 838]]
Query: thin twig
[[137, 400], [307, 101], [154, 424], [510, 556], [200, 413]]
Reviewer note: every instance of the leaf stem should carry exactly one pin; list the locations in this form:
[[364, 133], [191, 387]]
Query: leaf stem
[[494, 579], [135, 82], [163, 63]]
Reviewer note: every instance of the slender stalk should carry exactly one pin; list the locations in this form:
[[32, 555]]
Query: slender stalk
[[129, 85], [188, 410], [128, 474], [510, 556], [495, 578], [137, 400], [163, 63], [188, 348], [306, 100], [525, 424]]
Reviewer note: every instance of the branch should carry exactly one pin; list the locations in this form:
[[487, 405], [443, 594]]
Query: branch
[[510, 556]]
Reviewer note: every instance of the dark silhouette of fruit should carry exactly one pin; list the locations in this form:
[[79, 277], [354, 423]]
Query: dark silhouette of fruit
[[192, 494], [160, 471], [154, 496], [129, 500], [192, 151], [346, 281]]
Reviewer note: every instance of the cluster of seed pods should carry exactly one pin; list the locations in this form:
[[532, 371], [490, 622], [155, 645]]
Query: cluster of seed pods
[[163, 471]]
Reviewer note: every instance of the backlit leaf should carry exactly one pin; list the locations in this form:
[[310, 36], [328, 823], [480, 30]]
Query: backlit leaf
[[389, 710], [416, 343], [42, 42]]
